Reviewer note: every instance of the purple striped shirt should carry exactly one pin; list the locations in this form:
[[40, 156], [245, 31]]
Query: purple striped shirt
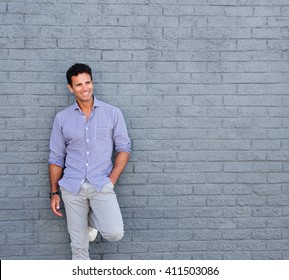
[[84, 148]]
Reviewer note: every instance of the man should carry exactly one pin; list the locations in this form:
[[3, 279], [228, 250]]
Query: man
[[83, 139]]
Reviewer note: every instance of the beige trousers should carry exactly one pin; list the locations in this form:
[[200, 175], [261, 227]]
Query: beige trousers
[[99, 210]]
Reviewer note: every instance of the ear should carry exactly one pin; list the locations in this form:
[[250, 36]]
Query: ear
[[70, 88]]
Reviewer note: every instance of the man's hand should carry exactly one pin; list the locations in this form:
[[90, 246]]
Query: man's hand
[[55, 205]]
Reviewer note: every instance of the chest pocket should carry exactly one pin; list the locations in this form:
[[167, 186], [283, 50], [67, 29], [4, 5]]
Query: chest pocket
[[101, 132]]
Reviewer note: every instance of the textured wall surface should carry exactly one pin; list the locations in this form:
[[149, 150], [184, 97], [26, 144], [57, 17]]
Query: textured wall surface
[[203, 86]]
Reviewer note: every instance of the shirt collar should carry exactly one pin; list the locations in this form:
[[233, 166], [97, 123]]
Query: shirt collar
[[96, 103]]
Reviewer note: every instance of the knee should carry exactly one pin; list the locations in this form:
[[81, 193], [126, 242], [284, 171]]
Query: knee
[[114, 235]]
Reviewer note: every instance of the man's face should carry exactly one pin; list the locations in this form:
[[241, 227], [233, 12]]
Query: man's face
[[82, 87]]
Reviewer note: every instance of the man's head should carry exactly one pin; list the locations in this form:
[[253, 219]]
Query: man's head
[[80, 83], [76, 69]]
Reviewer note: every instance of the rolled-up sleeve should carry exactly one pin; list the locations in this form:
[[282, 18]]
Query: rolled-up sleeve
[[57, 144], [122, 142]]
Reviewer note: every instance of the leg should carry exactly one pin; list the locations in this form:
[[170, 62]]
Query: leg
[[77, 208], [105, 214]]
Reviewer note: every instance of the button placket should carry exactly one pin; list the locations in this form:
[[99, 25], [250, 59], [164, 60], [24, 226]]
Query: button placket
[[87, 146]]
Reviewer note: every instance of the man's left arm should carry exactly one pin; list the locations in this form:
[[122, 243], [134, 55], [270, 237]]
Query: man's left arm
[[122, 145], [120, 162]]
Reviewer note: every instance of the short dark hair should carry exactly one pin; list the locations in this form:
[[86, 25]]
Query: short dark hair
[[76, 69]]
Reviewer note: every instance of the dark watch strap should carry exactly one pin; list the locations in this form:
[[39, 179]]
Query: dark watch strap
[[52, 194]]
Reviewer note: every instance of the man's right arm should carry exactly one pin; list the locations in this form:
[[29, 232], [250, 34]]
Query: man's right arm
[[55, 174], [56, 162]]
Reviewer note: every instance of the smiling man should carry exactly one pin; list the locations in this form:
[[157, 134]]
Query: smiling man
[[83, 139]]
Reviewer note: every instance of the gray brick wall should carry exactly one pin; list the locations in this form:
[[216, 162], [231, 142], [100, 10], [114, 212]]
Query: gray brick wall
[[203, 86]]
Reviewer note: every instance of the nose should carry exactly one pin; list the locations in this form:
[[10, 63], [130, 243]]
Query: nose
[[84, 87]]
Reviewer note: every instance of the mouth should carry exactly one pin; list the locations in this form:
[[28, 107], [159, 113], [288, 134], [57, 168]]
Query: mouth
[[86, 93]]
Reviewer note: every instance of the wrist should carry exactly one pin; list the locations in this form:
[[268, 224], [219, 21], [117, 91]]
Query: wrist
[[51, 194], [113, 179]]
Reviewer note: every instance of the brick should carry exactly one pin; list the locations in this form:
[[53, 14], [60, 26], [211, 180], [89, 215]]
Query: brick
[[177, 122], [19, 31], [163, 247], [267, 33], [277, 222], [208, 100], [12, 226], [267, 11], [11, 251], [178, 213], [251, 200], [162, 201], [177, 145], [133, 202], [3, 7], [197, 111], [237, 212], [267, 255], [148, 167], [252, 222], [146, 123], [238, 255], [251, 245], [236, 21], [22, 239], [268, 234], [3, 170], [219, 33], [11, 113], [267, 211], [267, 167], [148, 214], [223, 245], [209, 212], [39, 20], [21, 123], [146, 256], [38, 249], [149, 10], [255, 55], [237, 234], [134, 247], [253, 78], [165, 21], [11, 204], [12, 43], [147, 145], [233, 145], [191, 201], [19, 8], [251, 45], [179, 11], [163, 224], [27, 192], [22, 146]]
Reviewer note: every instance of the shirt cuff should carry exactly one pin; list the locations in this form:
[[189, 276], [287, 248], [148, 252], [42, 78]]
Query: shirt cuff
[[57, 162]]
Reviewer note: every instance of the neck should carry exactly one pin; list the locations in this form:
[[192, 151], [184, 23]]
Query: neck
[[86, 107]]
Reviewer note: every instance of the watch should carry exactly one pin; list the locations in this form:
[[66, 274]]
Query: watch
[[52, 194]]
